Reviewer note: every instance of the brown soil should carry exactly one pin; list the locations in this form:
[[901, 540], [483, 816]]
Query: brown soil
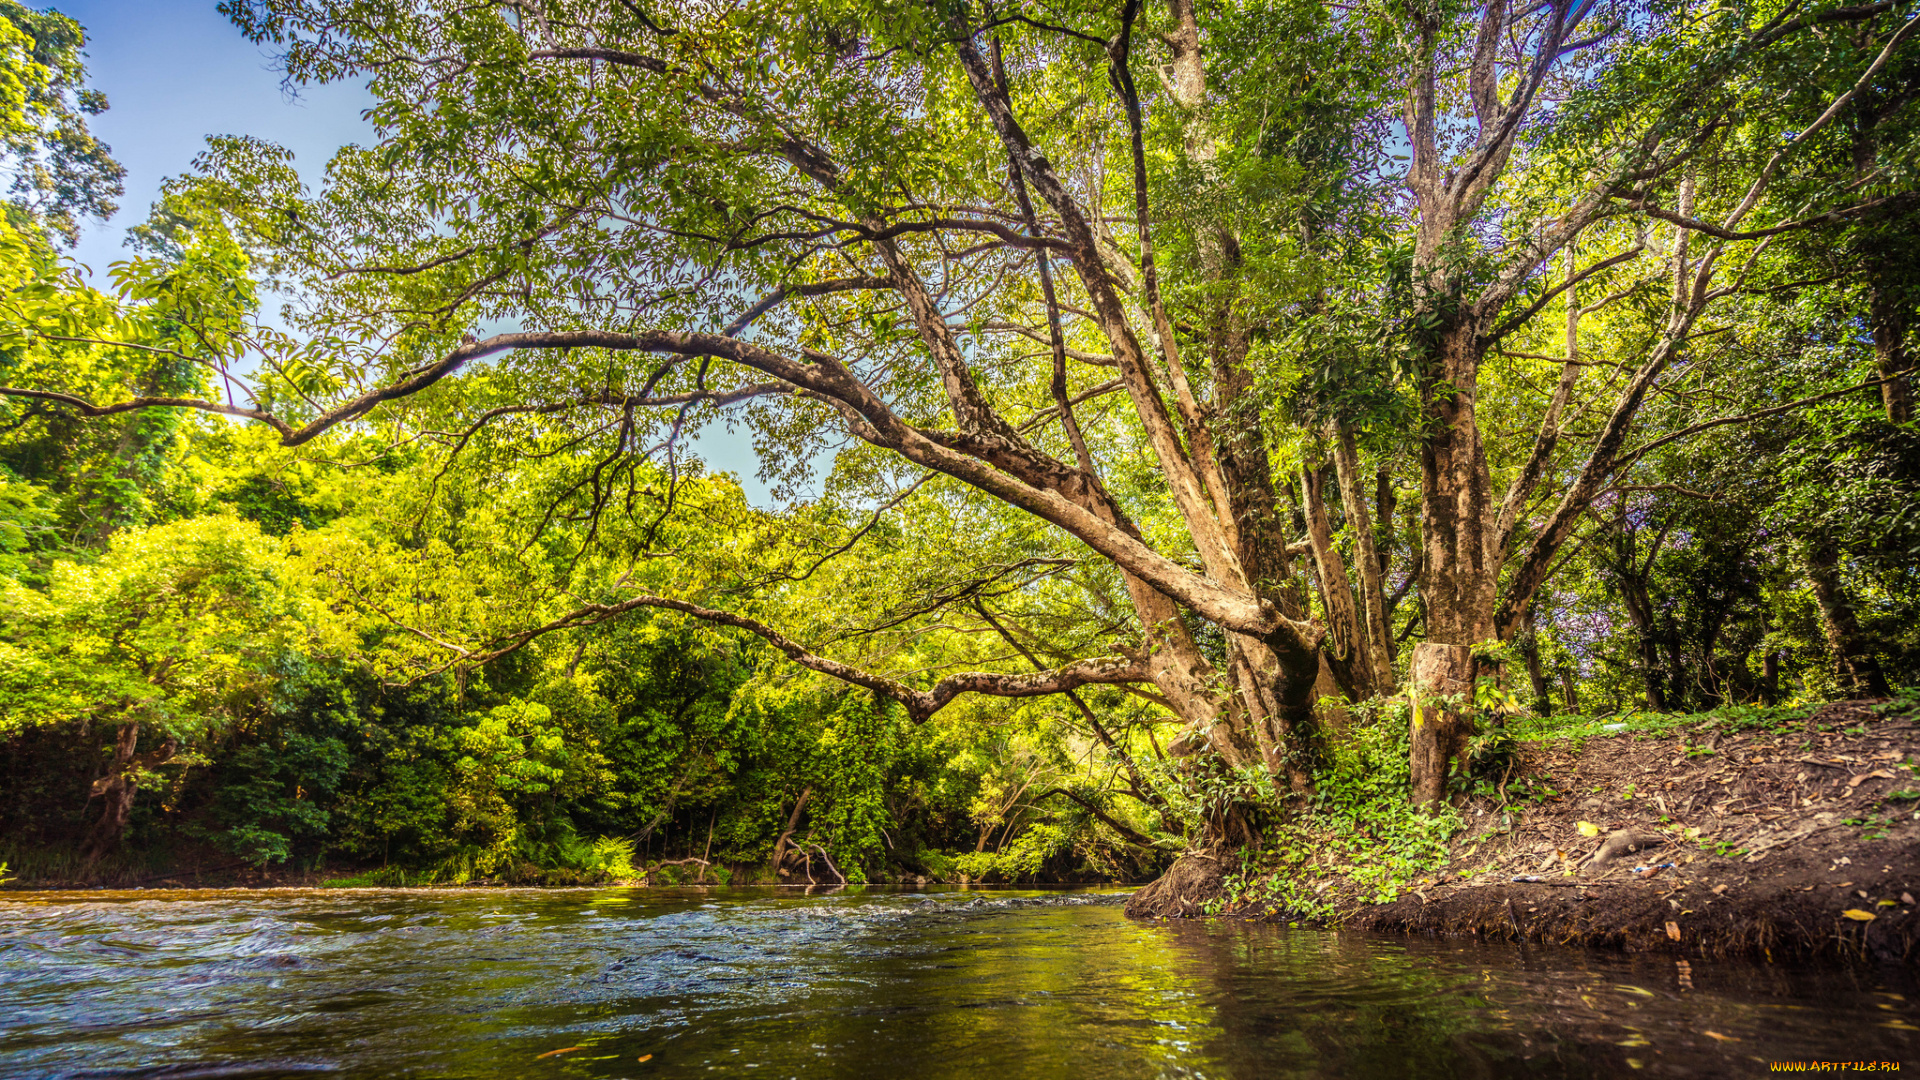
[[1781, 854], [1183, 891]]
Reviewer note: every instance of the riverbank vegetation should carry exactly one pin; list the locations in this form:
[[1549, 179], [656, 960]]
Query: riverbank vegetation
[[1784, 833], [1184, 435]]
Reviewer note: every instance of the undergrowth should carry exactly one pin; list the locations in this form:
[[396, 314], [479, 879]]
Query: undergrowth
[[1360, 827], [1363, 830], [559, 858], [1725, 718]]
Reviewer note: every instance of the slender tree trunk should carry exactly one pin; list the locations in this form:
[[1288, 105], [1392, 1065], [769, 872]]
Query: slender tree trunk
[[118, 788], [1652, 670], [116, 793], [1536, 672], [1346, 644], [793, 822], [1855, 667], [1887, 315], [1888, 304], [1377, 640]]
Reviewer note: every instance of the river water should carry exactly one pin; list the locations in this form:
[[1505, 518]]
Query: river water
[[890, 984]]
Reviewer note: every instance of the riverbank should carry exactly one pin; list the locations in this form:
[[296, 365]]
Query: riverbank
[[1748, 832], [1759, 837]]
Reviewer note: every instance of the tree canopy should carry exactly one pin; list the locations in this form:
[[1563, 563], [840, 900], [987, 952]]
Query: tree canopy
[[1117, 368]]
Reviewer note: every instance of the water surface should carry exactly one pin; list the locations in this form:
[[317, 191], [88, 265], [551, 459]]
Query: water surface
[[995, 984]]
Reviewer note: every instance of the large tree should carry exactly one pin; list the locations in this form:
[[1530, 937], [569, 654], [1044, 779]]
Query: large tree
[[960, 235]]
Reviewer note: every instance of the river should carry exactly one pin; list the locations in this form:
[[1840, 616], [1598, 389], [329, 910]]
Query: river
[[998, 984]]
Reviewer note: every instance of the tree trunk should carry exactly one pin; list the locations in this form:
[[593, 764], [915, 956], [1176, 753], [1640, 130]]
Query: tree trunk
[[1536, 672], [118, 788], [1460, 570], [1887, 315], [1650, 668], [1346, 644], [1881, 254], [793, 822], [1377, 640], [1854, 665], [1770, 678], [1440, 730]]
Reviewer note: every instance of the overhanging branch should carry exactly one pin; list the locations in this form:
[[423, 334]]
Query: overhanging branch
[[920, 704]]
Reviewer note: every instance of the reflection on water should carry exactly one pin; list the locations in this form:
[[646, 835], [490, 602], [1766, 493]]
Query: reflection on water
[[647, 983]]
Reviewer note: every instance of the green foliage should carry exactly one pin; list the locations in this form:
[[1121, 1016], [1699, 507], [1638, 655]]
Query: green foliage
[[1730, 718], [1019, 861], [449, 635], [61, 173], [1360, 826], [181, 626], [273, 795]]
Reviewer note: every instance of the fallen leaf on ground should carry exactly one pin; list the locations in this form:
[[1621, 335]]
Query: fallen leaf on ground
[[1717, 1035], [644, 1057], [1673, 930], [1857, 915], [1718, 889], [1588, 828], [567, 1050], [1877, 774], [1906, 898]]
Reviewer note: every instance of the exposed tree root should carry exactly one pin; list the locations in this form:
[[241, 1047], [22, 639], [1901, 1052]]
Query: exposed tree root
[[1194, 879]]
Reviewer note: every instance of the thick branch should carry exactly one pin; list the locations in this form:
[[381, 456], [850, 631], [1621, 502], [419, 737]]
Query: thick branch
[[920, 704]]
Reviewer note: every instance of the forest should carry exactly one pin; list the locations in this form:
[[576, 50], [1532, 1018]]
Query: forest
[[1200, 426]]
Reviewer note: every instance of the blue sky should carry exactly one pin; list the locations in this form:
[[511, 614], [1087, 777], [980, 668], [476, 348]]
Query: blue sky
[[175, 72]]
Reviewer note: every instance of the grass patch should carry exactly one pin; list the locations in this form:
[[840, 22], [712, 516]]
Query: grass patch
[[1726, 718]]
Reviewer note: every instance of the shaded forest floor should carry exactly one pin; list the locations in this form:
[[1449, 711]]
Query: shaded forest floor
[[1793, 839]]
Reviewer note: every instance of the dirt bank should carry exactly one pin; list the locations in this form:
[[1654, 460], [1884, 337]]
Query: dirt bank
[[1794, 840]]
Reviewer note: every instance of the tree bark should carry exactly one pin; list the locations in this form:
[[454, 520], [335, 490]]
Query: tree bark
[[1346, 641], [1854, 664], [118, 788], [1377, 639], [1440, 730], [1460, 568], [1888, 300], [1887, 315], [1536, 672], [793, 822]]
